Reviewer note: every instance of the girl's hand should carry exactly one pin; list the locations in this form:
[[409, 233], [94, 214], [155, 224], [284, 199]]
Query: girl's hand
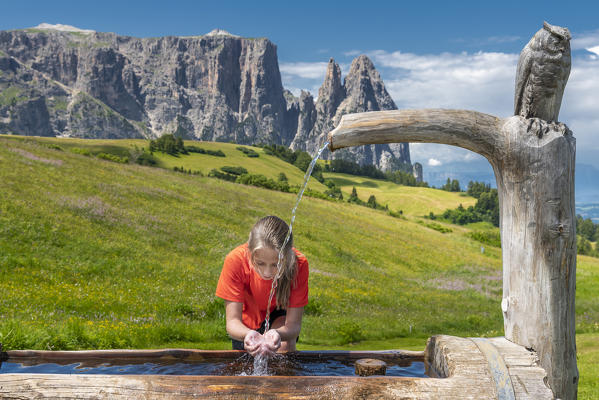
[[253, 342], [272, 342]]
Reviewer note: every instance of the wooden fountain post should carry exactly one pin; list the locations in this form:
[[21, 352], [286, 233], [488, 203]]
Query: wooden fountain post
[[533, 161]]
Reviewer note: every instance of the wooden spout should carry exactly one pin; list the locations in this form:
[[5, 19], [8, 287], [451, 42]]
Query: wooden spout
[[533, 160]]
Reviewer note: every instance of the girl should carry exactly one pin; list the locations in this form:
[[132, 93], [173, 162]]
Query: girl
[[245, 283]]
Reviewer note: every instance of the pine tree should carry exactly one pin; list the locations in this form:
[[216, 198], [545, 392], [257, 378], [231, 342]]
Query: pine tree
[[353, 197]]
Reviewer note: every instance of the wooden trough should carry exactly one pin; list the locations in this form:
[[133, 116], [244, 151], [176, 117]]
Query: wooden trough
[[460, 368]]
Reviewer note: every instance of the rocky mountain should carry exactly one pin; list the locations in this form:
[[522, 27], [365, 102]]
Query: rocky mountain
[[362, 90], [63, 81]]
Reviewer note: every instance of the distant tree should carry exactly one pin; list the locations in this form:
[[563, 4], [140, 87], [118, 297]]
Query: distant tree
[[303, 161], [583, 246], [353, 197], [451, 186], [371, 201], [455, 186], [586, 228], [282, 177], [476, 188], [146, 159], [180, 146], [485, 209]]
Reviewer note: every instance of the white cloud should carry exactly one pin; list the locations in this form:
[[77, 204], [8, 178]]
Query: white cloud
[[443, 154], [482, 81], [309, 70], [594, 50], [485, 82], [585, 40]]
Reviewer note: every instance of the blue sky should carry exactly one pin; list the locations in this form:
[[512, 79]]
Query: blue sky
[[308, 29], [459, 54]]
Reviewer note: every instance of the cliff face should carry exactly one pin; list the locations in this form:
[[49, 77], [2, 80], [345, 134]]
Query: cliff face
[[363, 90], [216, 87]]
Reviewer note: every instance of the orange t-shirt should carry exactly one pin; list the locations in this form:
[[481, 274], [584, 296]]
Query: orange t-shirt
[[239, 282]]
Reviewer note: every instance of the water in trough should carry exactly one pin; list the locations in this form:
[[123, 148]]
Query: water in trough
[[279, 365]]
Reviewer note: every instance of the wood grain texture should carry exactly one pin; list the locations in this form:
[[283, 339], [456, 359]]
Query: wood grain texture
[[533, 161], [463, 367], [370, 366]]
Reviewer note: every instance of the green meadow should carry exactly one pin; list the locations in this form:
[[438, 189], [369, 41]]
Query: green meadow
[[417, 201], [96, 254]]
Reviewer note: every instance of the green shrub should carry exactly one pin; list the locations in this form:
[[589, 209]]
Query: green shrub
[[248, 152], [146, 159], [334, 192], [491, 238], [113, 158], [199, 150], [234, 170], [54, 147], [350, 332], [584, 247], [394, 214], [262, 181], [435, 226], [372, 201], [187, 171], [83, 152], [214, 173], [313, 193], [282, 152]]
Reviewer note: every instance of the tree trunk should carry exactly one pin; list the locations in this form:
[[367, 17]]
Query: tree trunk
[[533, 162]]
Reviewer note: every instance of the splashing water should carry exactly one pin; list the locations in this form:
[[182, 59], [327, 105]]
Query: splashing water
[[275, 280], [260, 365]]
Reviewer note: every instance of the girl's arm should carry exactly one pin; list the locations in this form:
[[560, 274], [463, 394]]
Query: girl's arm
[[293, 324], [235, 328]]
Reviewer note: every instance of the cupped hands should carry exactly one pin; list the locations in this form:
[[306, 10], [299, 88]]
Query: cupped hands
[[258, 344]]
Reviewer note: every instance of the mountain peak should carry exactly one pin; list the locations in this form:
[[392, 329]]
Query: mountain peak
[[362, 64], [220, 32], [61, 27]]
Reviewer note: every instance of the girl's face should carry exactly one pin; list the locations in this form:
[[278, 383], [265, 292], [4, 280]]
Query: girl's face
[[264, 261]]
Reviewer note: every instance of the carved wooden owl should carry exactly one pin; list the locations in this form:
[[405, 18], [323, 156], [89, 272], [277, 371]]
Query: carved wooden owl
[[543, 71]]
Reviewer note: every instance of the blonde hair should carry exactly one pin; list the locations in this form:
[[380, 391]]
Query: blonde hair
[[271, 232]]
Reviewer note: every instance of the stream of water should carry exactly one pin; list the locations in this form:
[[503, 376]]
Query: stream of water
[[261, 362]]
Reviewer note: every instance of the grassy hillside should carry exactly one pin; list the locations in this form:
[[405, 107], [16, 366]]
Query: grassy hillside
[[411, 200], [96, 254], [267, 165]]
